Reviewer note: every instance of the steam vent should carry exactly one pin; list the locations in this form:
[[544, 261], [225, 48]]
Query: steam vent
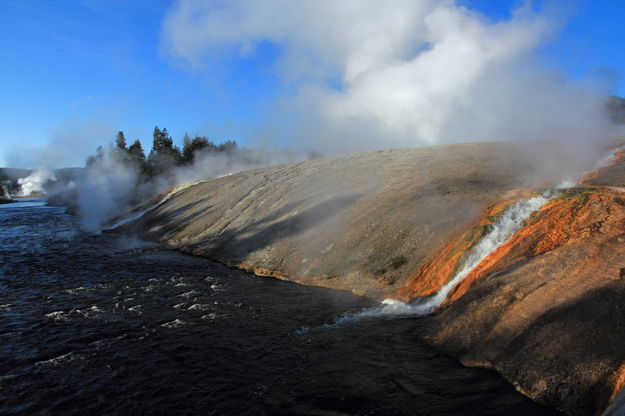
[[541, 302]]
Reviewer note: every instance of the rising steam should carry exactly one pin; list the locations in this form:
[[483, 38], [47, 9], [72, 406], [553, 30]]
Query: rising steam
[[106, 188], [110, 193], [368, 74], [35, 183]]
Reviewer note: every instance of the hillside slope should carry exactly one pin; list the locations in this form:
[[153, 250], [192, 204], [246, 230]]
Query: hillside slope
[[363, 222]]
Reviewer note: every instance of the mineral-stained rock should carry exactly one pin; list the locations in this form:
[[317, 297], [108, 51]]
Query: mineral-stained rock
[[546, 309]]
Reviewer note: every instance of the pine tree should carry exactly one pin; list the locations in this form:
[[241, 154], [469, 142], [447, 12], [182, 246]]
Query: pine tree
[[120, 140], [137, 156], [228, 146], [164, 155], [191, 147]]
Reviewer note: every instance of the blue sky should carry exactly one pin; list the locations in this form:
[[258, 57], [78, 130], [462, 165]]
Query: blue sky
[[89, 68]]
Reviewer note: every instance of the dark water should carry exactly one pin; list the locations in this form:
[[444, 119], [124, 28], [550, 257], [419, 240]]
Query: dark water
[[102, 324]]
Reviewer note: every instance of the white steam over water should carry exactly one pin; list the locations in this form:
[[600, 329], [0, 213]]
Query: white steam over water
[[104, 188], [34, 183], [110, 188]]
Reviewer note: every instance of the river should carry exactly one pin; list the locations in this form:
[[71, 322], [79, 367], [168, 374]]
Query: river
[[107, 324]]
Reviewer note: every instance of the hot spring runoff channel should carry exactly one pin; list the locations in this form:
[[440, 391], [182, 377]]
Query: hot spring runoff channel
[[102, 324]]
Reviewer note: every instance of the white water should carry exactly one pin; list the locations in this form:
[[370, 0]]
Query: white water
[[503, 229], [607, 159]]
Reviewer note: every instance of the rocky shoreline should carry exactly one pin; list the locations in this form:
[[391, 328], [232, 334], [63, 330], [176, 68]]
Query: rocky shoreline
[[543, 309]]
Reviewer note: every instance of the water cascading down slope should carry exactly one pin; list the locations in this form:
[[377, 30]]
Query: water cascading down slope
[[491, 237], [484, 249], [545, 308]]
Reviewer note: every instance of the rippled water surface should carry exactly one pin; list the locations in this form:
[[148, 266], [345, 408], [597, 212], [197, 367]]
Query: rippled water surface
[[104, 324]]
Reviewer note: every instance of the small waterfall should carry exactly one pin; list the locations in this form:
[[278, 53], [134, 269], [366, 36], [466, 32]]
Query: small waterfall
[[5, 192], [502, 230]]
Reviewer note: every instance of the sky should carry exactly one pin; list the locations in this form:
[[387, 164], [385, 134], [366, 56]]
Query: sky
[[74, 72]]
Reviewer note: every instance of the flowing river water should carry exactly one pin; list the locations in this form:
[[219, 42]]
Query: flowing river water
[[103, 324]]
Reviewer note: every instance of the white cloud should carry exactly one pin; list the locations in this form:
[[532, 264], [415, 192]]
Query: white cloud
[[410, 72]]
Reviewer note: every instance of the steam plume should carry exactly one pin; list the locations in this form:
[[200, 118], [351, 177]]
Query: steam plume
[[110, 189], [34, 184], [105, 188], [370, 74]]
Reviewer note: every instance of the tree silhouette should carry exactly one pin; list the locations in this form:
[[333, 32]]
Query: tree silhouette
[[120, 140], [164, 155], [192, 146], [137, 156]]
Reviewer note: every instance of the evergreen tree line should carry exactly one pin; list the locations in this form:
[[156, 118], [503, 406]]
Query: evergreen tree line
[[164, 155]]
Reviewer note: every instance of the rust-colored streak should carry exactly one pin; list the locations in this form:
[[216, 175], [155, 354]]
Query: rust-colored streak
[[438, 271], [575, 216], [563, 220], [549, 229]]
